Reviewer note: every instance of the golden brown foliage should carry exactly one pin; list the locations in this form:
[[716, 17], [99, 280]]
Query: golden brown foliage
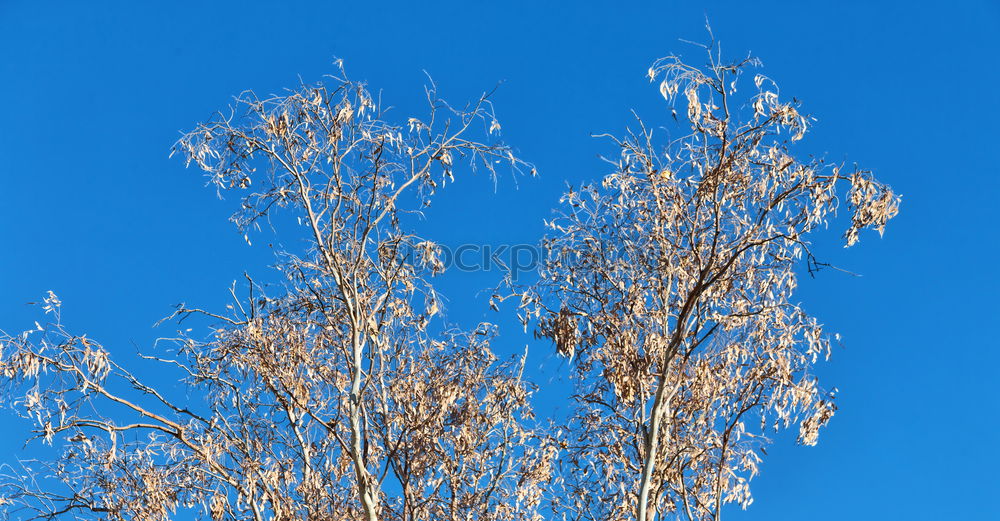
[[670, 284], [342, 397]]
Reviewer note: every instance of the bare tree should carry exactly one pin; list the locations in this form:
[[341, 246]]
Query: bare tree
[[344, 395], [670, 284]]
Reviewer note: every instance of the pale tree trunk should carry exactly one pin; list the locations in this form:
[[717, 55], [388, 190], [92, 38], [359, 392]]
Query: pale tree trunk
[[367, 488], [661, 406]]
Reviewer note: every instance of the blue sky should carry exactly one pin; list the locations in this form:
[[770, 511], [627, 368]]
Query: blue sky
[[95, 94]]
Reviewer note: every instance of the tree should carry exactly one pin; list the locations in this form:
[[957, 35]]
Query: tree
[[671, 286], [344, 395]]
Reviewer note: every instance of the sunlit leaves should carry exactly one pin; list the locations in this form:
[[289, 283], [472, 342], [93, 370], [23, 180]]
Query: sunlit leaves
[[338, 394], [671, 283]]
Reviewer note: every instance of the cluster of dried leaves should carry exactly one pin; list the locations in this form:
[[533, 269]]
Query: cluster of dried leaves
[[345, 396], [671, 285]]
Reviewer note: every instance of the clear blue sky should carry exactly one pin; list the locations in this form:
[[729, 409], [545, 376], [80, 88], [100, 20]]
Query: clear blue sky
[[94, 94]]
